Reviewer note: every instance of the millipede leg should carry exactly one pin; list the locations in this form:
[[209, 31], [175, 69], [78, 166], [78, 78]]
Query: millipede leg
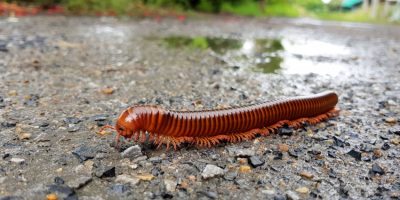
[[117, 141], [143, 137], [105, 127]]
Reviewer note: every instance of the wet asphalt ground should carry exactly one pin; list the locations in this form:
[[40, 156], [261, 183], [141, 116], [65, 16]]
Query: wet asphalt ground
[[61, 78]]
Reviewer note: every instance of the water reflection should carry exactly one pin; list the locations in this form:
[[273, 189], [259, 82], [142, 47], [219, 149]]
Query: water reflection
[[218, 45], [271, 55]]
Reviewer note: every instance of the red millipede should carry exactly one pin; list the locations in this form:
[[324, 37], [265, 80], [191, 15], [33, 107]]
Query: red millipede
[[210, 127]]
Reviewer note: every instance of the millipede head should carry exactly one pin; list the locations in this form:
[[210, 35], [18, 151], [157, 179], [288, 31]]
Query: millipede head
[[126, 126]]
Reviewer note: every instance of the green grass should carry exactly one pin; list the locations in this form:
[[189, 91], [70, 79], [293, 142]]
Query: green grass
[[247, 8], [357, 16], [306, 8], [284, 10], [271, 8], [119, 7]]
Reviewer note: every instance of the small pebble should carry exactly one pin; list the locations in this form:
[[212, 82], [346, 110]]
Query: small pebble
[[84, 153], [9, 124], [123, 178], [294, 153], [338, 141], [283, 147], [268, 192], [285, 131], [145, 177], [255, 161], [332, 173], [12, 93], [72, 120], [107, 90], [24, 136], [155, 160], [303, 190], [244, 169], [355, 154], [73, 128], [383, 137], [332, 154], [101, 117], [170, 185], [278, 155], [119, 188], [105, 172], [132, 152], [233, 151], [377, 153], [376, 169], [278, 197], [210, 195], [395, 141], [395, 131], [395, 195], [17, 160], [391, 120], [306, 175], [58, 180], [52, 196], [291, 195], [211, 171], [230, 176], [242, 161], [385, 146]]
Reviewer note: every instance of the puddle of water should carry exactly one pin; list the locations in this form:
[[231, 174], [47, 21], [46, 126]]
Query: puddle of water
[[218, 45], [271, 55]]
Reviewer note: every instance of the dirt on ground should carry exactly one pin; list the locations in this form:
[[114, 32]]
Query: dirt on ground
[[62, 78]]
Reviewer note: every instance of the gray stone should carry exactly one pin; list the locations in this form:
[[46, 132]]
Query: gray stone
[[105, 172], [233, 151], [79, 182], [84, 153], [72, 120], [155, 159], [211, 171], [170, 185], [291, 195], [123, 178], [17, 160], [255, 161], [132, 152], [119, 188]]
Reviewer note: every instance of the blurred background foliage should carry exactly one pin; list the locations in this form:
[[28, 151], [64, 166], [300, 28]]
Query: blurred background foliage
[[323, 9]]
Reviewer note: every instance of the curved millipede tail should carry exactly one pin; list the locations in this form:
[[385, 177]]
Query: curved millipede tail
[[210, 127]]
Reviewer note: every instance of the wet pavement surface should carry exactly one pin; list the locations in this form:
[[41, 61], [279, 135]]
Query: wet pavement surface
[[61, 79]]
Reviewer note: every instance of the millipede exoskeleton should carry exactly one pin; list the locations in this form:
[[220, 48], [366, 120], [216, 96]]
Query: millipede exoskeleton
[[209, 127]]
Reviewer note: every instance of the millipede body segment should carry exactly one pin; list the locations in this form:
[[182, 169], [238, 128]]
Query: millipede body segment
[[209, 127]]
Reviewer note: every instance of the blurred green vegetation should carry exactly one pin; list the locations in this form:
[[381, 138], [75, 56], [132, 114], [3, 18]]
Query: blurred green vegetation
[[282, 8]]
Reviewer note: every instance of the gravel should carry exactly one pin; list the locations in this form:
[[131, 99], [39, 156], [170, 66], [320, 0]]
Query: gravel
[[62, 78], [255, 161], [355, 154], [132, 152], [376, 169], [79, 182], [123, 178], [84, 153], [105, 172], [211, 171]]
